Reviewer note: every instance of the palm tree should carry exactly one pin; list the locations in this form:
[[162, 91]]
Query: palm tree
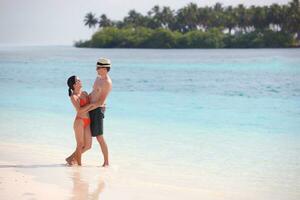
[[90, 20], [273, 16], [203, 16], [216, 16], [186, 18], [284, 18], [258, 17], [155, 11], [218, 7], [293, 20], [230, 20], [135, 19], [243, 17], [104, 21], [167, 17], [154, 17]]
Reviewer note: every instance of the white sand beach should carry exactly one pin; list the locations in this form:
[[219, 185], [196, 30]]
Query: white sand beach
[[38, 172], [29, 172]]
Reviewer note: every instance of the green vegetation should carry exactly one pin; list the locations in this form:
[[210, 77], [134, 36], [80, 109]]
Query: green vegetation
[[271, 26]]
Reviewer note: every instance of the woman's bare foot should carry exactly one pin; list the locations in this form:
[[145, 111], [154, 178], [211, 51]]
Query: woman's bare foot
[[69, 161], [105, 164]]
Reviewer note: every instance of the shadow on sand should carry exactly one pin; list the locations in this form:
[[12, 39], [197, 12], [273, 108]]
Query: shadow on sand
[[46, 166], [33, 166]]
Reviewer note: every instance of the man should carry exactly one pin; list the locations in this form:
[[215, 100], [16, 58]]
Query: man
[[101, 89]]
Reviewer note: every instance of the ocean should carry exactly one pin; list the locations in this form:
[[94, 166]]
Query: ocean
[[209, 119]]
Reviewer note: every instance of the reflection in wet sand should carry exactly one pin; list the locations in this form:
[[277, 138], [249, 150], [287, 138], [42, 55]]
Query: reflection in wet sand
[[95, 195], [81, 189]]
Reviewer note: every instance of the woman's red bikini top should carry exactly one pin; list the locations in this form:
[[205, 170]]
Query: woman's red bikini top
[[84, 101]]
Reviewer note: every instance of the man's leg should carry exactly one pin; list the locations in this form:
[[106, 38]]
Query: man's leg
[[104, 149]]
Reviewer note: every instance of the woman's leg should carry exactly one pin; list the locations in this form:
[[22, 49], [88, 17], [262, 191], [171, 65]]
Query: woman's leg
[[87, 144], [79, 135], [87, 139]]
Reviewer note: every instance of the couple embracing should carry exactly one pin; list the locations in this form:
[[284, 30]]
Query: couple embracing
[[90, 112]]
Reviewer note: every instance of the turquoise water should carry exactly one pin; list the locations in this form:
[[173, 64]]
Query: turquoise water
[[212, 116]]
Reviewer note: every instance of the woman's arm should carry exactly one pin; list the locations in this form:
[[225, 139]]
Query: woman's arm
[[83, 109], [93, 105]]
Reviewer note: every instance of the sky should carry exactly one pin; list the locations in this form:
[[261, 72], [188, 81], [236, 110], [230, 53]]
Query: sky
[[60, 22]]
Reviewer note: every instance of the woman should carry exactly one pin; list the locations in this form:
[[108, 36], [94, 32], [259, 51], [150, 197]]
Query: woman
[[80, 101]]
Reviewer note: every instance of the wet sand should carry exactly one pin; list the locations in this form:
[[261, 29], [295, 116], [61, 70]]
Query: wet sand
[[28, 172], [39, 172]]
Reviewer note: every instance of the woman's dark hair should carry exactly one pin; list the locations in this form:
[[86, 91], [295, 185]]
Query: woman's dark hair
[[71, 81]]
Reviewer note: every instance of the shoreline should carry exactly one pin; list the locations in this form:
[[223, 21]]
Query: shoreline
[[157, 48]]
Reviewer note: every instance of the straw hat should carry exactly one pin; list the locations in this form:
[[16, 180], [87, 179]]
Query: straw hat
[[103, 62]]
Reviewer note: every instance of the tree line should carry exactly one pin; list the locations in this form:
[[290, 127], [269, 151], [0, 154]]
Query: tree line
[[199, 27]]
